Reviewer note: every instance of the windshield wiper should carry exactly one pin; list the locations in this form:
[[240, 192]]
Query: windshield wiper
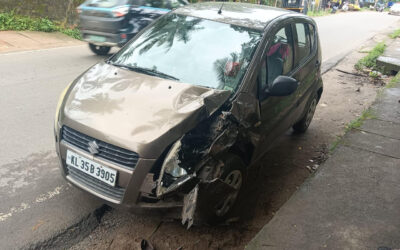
[[151, 72]]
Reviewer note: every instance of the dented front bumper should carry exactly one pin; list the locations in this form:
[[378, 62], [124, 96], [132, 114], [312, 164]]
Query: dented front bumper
[[133, 190]]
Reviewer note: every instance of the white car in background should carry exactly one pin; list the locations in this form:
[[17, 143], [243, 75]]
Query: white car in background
[[395, 9]]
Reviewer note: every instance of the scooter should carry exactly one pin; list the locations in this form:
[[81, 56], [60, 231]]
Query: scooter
[[379, 7]]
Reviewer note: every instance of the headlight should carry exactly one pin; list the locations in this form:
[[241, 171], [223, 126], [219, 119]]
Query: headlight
[[60, 101], [171, 162]]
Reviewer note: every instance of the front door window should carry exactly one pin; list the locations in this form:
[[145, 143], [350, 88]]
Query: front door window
[[279, 60]]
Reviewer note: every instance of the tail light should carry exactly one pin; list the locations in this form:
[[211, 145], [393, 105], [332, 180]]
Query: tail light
[[120, 11], [78, 10]]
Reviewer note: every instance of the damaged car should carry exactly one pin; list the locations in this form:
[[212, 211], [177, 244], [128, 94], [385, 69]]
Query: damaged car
[[176, 118]]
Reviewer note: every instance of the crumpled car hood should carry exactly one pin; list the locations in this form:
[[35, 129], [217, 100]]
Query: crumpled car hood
[[136, 111]]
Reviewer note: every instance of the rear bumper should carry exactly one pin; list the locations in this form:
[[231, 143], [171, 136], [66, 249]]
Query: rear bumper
[[110, 39]]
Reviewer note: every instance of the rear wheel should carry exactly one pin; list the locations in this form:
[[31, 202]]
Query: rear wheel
[[302, 125], [99, 50]]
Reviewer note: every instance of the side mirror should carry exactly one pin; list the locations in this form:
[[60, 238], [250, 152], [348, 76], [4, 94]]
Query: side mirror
[[283, 86]]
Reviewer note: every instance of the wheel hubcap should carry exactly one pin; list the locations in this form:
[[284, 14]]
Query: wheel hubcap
[[234, 179], [311, 111]]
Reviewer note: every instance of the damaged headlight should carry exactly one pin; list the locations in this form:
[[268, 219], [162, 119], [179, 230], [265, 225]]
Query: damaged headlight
[[172, 175], [171, 162]]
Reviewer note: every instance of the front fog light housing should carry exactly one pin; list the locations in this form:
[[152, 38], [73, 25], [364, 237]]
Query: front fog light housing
[[171, 162]]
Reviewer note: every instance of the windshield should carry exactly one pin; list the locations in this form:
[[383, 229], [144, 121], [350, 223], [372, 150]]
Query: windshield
[[193, 50], [105, 3]]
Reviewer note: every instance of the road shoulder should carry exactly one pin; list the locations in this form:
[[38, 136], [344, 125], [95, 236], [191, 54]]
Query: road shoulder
[[13, 41]]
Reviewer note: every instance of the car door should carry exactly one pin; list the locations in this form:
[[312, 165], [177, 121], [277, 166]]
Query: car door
[[306, 65], [275, 110]]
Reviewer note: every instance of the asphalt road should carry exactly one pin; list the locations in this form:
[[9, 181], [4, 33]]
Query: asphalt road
[[35, 202]]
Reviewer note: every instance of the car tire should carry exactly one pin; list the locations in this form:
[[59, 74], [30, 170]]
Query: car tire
[[99, 50], [234, 174], [302, 125]]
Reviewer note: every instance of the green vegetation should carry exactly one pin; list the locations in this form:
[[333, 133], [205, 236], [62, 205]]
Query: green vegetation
[[367, 114], [374, 74], [395, 80], [11, 21], [335, 144], [318, 13], [369, 61], [72, 32], [395, 34], [365, 9]]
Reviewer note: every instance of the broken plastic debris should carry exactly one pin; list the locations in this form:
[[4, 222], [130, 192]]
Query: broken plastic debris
[[146, 245]]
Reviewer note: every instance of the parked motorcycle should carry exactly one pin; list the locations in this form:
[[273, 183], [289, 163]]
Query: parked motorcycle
[[379, 7]]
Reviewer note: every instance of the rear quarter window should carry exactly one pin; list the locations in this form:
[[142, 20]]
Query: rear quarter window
[[312, 36]]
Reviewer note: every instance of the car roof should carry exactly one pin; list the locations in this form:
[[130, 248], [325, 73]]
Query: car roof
[[242, 14]]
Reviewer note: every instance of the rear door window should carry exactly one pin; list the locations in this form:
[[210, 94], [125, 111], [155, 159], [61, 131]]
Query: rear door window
[[302, 43]]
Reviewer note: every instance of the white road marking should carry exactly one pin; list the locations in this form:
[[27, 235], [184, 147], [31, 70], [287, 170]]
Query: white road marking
[[13, 210], [41, 198]]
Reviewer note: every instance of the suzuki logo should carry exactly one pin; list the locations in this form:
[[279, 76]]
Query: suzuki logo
[[93, 147]]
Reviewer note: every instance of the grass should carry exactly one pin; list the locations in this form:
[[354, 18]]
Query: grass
[[367, 114], [395, 80], [335, 144], [11, 21], [395, 34], [318, 13], [369, 61]]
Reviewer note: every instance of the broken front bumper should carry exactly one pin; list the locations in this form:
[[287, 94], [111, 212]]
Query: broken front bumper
[[133, 188]]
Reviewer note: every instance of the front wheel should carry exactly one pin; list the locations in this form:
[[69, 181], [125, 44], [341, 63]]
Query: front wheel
[[302, 125], [234, 174], [99, 50]]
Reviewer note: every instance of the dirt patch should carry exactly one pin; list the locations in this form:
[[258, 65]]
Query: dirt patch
[[279, 175]]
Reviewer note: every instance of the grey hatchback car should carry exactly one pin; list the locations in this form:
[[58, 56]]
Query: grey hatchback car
[[177, 117]]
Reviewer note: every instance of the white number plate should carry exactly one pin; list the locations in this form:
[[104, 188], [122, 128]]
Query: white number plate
[[92, 168], [97, 38]]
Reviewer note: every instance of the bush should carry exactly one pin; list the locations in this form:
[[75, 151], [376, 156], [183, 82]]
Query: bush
[[369, 61], [74, 33], [10, 21]]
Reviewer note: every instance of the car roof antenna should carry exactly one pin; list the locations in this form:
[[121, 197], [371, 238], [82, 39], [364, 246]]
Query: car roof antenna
[[220, 9]]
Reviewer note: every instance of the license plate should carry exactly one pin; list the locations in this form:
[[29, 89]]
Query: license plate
[[102, 173], [99, 39]]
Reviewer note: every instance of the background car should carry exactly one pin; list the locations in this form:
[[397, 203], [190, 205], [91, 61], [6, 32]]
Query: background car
[[108, 23], [395, 9], [178, 116]]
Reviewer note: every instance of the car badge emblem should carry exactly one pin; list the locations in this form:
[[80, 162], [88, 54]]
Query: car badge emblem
[[93, 147]]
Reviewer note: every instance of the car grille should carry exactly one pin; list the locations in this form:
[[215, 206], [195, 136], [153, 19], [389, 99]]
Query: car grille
[[115, 193], [122, 157]]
